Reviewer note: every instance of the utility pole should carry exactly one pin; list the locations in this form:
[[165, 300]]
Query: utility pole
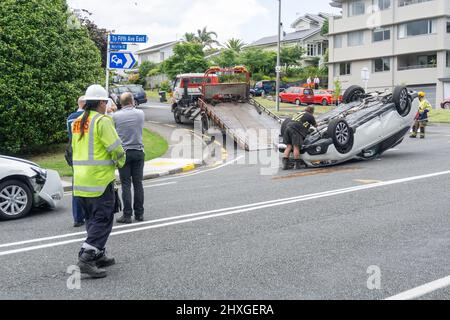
[[107, 63], [278, 68]]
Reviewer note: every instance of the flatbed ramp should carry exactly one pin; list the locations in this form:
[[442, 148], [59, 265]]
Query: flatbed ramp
[[251, 125]]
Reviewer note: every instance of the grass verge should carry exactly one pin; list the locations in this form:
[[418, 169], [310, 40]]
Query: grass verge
[[288, 109], [155, 146], [439, 116]]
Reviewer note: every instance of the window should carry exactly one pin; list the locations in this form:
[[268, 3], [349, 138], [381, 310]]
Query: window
[[448, 59], [356, 38], [381, 64], [383, 4], [427, 61], [357, 8], [345, 68], [448, 26], [416, 28], [403, 3], [161, 56], [338, 39], [381, 34]]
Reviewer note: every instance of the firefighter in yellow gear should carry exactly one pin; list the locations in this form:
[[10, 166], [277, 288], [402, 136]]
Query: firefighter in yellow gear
[[421, 119], [97, 152]]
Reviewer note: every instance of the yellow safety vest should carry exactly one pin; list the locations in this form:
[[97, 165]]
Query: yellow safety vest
[[96, 156]]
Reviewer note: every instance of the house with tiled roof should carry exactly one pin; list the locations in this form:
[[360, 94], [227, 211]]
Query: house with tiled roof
[[307, 35]]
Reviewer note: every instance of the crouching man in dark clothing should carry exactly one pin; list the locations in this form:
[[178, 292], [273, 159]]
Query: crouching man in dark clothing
[[294, 133]]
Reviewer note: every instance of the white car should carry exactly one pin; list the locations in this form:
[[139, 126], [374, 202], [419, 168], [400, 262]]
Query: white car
[[364, 127], [24, 185]]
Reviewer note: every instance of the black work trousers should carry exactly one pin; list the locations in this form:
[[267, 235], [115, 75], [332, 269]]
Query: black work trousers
[[99, 217], [133, 172]]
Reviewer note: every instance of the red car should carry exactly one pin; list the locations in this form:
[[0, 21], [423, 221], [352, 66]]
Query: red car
[[445, 104], [297, 95], [323, 97]]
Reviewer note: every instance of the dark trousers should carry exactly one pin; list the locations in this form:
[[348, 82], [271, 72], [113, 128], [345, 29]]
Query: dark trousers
[[133, 172], [77, 211], [99, 217]]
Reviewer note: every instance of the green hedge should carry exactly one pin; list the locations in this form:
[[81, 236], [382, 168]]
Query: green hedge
[[46, 62]]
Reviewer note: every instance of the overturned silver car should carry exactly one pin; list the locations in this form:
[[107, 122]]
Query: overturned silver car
[[363, 127]]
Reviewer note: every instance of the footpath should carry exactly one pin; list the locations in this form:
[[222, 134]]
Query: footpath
[[164, 166]]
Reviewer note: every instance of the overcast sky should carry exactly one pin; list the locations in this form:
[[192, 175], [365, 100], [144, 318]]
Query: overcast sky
[[167, 20]]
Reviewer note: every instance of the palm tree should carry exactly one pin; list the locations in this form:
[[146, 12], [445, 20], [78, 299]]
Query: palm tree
[[235, 45], [206, 37], [190, 37]]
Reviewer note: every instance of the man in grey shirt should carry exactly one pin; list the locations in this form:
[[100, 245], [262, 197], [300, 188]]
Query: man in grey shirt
[[129, 125]]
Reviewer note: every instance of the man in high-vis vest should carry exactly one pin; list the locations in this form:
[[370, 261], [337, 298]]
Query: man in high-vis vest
[[97, 152]]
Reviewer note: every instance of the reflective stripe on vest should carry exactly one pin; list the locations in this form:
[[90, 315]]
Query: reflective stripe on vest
[[88, 189], [91, 161]]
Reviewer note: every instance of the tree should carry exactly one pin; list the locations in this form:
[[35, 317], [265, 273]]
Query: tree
[[98, 35], [291, 55], [45, 65], [190, 37], [187, 57], [325, 28], [227, 58], [259, 61], [206, 38], [235, 45], [144, 69]]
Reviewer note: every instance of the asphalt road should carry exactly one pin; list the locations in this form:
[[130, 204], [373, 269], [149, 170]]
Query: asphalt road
[[230, 232]]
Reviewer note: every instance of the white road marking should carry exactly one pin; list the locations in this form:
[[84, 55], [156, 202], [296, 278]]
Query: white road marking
[[221, 212], [159, 185], [392, 150], [422, 290]]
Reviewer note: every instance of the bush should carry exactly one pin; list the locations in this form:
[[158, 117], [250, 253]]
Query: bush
[[165, 86], [46, 63]]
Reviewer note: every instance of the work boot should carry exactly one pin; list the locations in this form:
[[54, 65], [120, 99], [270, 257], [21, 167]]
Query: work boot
[[78, 224], [102, 261], [422, 136], [285, 163], [298, 164], [139, 218], [124, 220], [87, 264], [413, 136]]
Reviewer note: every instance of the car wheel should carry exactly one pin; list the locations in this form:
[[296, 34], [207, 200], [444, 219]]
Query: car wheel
[[342, 135], [298, 102], [353, 93], [177, 116], [15, 200], [324, 102], [447, 105], [402, 100]]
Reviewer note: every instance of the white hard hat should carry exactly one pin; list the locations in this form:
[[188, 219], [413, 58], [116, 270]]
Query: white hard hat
[[97, 93]]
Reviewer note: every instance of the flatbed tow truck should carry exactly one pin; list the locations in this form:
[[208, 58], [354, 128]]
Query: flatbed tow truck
[[228, 107]]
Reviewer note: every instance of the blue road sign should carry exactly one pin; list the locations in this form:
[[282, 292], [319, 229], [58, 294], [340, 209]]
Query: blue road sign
[[121, 60], [127, 38], [118, 46]]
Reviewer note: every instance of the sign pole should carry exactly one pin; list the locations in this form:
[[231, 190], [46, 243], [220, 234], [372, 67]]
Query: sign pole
[[278, 69], [107, 63]]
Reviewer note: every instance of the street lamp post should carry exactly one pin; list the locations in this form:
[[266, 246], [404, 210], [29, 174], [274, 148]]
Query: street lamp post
[[278, 69]]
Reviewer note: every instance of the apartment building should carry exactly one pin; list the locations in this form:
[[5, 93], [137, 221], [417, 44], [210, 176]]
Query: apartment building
[[402, 42]]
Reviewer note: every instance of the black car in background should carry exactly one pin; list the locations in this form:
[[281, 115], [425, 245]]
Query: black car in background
[[138, 92]]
